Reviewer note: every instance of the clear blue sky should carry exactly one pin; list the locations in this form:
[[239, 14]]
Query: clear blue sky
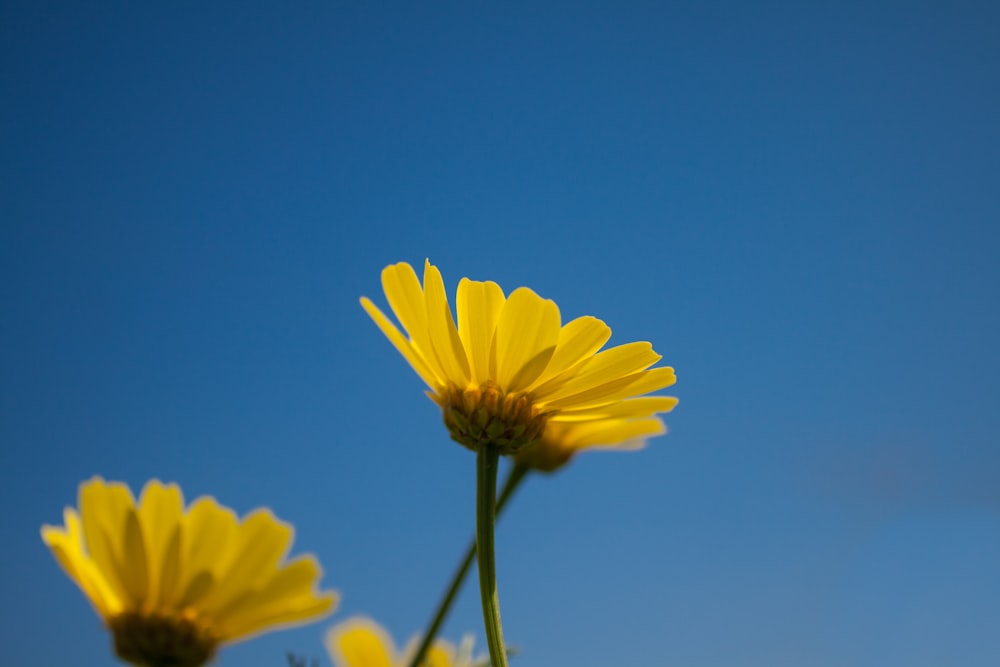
[[798, 206]]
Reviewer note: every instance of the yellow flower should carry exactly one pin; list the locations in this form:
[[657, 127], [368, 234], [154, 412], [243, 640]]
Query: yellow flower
[[509, 374], [361, 642], [172, 585]]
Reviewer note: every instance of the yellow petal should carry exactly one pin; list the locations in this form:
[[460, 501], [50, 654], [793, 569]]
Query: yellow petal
[[161, 509], [134, 564], [440, 654], [478, 305], [410, 353], [613, 432], [644, 382], [74, 530], [406, 298], [103, 508], [636, 384], [261, 543], [169, 582], [632, 408], [578, 340], [562, 440], [66, 548], [196, 587], [208, 544], [444, 336], [526, 335], [297, 579], [292, 613], [293, 586], [603, 368], [360, 642]]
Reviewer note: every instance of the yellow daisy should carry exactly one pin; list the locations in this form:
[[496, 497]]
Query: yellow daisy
[[509, 374], [173, 584], [361, 642]]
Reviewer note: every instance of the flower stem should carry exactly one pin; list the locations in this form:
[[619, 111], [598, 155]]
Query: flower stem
[[486, 488], [517, 473]]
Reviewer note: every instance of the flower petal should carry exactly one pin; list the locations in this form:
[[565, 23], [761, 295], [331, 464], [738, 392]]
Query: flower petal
[[67, 547], [611, 433], [407, 300], [440, 654], [478, 305], [360, 642], [632, 408], [102, 510], [410, 353], [444, 336], [578, 340], [293, 586], [526, 335], [208, 543], [161, 509], [607, 367], [134, 565], [291, 612], [260, 544], [636, 384]]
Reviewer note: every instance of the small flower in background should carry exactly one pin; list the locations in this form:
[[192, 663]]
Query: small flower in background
[[173, 585], [561, 441], [509, 374], [361, 642]]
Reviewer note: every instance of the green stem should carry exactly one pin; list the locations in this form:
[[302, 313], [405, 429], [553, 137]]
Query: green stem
[[517, 473], [486, 500]]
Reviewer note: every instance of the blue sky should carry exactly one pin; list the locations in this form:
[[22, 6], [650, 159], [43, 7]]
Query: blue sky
[[796, 203]]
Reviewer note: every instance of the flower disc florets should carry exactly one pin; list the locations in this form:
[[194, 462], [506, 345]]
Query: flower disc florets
[[485, 416], [161, 641]]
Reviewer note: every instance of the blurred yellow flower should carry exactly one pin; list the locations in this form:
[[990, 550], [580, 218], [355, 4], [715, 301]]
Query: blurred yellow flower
[[361, 642], [173, 584], [509, 374]]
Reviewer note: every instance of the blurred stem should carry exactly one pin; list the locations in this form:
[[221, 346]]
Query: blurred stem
[[486, 499], [514, 477]]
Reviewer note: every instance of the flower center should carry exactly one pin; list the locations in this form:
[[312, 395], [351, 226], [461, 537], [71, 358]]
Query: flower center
[[486, 416], [161, 641]]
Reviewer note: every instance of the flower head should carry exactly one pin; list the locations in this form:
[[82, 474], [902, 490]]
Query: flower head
[[509, 374], [361, 642], [173, 584]]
